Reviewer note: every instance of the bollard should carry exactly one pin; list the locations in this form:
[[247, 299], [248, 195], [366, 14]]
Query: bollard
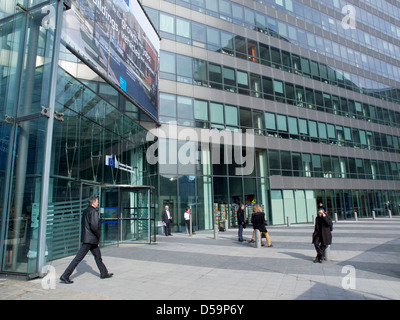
[[313, 219], [258, 239], [190, 225], [328, 253], [373, 215], [288, 221], [226, 224], [215, 231], [336, 217], [355, 215], [390, 214]]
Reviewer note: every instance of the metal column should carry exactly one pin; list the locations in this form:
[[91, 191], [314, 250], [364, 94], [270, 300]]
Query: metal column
[[48, 142]]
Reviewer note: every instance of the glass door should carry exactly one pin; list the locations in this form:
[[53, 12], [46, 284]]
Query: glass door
[[127, 214], [135, 215], [109, 216]]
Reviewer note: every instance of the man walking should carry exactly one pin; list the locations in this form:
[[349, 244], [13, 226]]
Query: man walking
[[322, 236], [90, 241], [167, 219]]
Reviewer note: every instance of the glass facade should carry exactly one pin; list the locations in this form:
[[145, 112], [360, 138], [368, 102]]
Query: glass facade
[[321, 98], [92, 120], [318, 98]]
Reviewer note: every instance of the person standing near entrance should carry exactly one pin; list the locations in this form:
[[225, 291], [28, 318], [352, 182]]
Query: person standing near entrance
[[241, 222], [322, 235], [166, 217], [187, 215], [90, 241]]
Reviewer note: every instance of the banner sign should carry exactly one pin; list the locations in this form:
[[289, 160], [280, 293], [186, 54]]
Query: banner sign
[[117, 38]]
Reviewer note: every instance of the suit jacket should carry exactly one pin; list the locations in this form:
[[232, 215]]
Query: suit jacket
[[90, 226], [240, 216], [164, 216], [322, 229]]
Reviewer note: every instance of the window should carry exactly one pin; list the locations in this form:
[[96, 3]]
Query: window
[[167, 104], [286, 163], [282, 126], [245, 118], [198, 35], [276, 58], [322, 131], [300, 96], [303, 129], [293, 130], [215, 76], [231, 116], [290, 95], [264, 54], [317, 166], [310, 98], [243, 82], [274, 163], [229, 79], [184, 69], [312, 125], [227, 43], [217, 112], [167, 23], [270, 123], [331, 133], [167, 65], [255, 83], [286, 62], [213, 39], [200, 72], [252, 50], [185, 107], [201, 110], [268, 88], [240, 47], [306, 160], [237, 12], [278, 90], [183, 31], [258, 122]]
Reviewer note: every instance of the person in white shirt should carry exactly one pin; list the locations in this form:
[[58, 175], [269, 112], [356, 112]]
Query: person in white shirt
[[167, 220], [187, 220]]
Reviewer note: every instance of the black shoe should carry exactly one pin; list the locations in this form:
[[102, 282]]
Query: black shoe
[[319, 260], [108, 275], [66, 280]]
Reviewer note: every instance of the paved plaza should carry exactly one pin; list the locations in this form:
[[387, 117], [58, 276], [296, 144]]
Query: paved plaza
[[364, 264]]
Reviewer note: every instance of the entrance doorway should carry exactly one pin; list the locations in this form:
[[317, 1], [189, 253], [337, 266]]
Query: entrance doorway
[[127, 212]]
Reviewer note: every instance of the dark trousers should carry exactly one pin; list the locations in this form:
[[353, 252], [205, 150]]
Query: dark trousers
[[95, 250], [319, 247], [167, 227], [240, 232], [188, 226]]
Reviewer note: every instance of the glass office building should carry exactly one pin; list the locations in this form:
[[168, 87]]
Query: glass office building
[[314, 86], [318, 83]]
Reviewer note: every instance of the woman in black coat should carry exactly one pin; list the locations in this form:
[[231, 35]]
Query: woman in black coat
[[258, 220], [322, 236]]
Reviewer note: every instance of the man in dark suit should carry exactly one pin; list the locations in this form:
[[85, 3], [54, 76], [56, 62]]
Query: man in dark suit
[[322, 236], [167, 220], [90, 241]]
